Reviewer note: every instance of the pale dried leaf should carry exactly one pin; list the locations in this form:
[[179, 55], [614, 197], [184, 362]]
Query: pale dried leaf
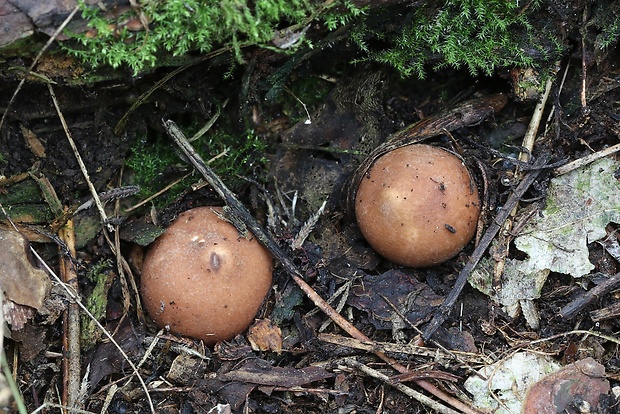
[[21, 282], [578, 207]]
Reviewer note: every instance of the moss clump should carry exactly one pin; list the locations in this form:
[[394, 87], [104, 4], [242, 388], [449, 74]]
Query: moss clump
[[157, 164], [605, 23], [97, 302], [480, 35], [181, 26]]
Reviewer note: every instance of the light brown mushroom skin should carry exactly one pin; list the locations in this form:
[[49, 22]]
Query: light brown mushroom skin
[[202, 279], [417, 206]]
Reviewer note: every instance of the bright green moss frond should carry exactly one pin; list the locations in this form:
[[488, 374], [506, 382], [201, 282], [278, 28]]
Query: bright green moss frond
[[477, 34], [180, 26]]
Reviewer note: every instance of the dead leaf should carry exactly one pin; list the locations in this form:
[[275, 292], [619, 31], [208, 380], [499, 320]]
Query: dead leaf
[[499, 388], [186, 369], [140, 232], [578, 207], [17, 315], [32, 341], [33, 142], [519, 283], [21, 282], [232, 351], [259, 371], [556, 393], [265, 336], [234, 393], [107, 359], [415, 300]]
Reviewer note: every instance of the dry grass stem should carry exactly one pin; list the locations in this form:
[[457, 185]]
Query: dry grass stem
[[71, 327], [410, 392], [91, 187], [407, 349]]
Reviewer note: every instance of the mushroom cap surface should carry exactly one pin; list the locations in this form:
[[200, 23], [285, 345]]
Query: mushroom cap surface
[[417, 205], [204, 280]]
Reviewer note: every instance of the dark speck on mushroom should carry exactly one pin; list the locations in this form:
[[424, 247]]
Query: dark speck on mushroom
[[215, 261]]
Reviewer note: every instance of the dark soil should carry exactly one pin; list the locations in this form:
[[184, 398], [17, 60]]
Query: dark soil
[[315, 162]]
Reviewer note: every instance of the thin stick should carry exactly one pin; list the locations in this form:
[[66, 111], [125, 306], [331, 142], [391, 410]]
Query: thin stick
[[48, 405], [157, 194], [532, 130], [438, 408], [237, 211], [78, 157], [584, 60], [586, 298], [422, 351], [71, 335], [588, 159], [209, 123]]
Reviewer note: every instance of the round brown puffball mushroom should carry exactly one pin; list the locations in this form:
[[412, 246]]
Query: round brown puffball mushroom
[[204, 280], [417, 205]]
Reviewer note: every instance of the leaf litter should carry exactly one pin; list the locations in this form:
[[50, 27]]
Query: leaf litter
[[579, 205]]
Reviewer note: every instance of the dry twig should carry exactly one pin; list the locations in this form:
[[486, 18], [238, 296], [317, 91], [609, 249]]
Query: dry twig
[[71, 361], [435, 354], [588, 159], [438, 408], [71, 327], [583, 300]]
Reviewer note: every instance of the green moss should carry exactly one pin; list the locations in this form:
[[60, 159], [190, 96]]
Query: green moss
[[606, 22], [333, 19], [479, 35], [97, 302], [243, 154], [610, 34], [150, 162], [179, 26], [157, 164]]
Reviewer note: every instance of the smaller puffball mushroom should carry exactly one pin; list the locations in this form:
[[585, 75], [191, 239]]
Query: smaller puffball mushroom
[[204, 280], [417, 205]]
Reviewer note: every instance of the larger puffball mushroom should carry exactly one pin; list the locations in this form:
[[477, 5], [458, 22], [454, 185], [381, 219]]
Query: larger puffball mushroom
[[204, 280], [417, 205]]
